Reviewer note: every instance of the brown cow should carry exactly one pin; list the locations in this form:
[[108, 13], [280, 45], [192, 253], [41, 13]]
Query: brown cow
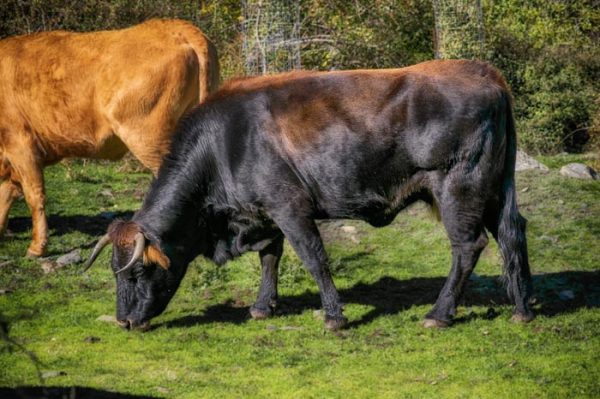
[[94, 95]]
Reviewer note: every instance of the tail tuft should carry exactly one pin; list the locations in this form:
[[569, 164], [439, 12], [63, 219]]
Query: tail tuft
[[511, 227]]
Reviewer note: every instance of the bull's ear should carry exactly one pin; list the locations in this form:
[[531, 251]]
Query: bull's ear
[[153, 254]]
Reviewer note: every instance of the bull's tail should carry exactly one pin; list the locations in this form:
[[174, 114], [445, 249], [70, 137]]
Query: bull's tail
[[511, 228]]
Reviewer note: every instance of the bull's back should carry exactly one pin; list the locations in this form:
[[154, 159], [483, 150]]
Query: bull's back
[[410, 110]]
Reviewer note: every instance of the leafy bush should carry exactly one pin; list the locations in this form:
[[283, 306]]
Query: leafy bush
[[549, 52], [547, 49]]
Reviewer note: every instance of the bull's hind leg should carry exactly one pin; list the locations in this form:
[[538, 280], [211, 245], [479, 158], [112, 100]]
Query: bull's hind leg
[[9, 191], [267, 294], [463, 219]]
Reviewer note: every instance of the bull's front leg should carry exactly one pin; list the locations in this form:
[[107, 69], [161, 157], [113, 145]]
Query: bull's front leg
[[304, 237], [267, 293]]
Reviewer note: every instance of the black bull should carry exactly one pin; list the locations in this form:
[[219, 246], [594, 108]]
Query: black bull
[[265, 157]]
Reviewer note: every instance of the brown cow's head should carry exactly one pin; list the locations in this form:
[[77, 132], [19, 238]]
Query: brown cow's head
[[146, 282]]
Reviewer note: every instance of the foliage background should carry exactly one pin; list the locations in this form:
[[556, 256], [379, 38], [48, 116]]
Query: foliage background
[[204, 346], [548, 49]]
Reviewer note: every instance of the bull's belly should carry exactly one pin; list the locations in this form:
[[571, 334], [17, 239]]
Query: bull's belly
[[377, 209]]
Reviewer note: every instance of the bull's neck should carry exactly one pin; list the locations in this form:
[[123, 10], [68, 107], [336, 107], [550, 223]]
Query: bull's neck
[[174, 204]]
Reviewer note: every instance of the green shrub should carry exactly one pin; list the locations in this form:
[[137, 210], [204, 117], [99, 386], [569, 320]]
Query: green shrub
[[547, 49]]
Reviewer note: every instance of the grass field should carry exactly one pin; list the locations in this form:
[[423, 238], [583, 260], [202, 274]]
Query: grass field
[[205, 345]]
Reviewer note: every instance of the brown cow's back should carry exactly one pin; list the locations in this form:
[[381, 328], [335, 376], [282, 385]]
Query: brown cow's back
[[71, 90]]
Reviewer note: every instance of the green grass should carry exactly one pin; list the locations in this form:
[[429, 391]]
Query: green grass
[[204, 345]]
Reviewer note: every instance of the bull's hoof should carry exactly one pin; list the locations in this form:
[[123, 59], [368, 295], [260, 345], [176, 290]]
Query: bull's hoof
[[134, 325], [522, 317], [335, 323], [433, 323], [143, 327], [259, 313]]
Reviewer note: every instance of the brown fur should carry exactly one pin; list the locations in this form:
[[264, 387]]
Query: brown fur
[[122, 233], [94, 95], [153, 255]]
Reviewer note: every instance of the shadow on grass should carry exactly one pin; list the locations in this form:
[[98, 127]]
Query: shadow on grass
[[64, 392], [61, 225], [555, 293]]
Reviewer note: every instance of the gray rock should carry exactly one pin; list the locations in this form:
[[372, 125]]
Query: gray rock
[[579, 171], [291, 328], [6, 263], [48, 266], [350, 232], [526, 162], [70, 258], [107, 193], [349, 229], [52, 374], [107, 318]]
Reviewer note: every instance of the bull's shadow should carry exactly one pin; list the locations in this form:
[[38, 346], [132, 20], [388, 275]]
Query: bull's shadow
[[555, 293], [61, 225], [64, 392]]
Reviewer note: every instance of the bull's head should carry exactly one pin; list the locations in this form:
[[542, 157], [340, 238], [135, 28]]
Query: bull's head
[[146, 280]]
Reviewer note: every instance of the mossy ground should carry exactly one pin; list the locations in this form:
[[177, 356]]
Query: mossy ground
[[205, 345]]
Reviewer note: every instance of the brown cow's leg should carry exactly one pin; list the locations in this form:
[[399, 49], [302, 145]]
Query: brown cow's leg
[[267, 294], [9, 191], [31, 177]]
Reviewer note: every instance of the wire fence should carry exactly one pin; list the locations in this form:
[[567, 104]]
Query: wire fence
[[271, 32]]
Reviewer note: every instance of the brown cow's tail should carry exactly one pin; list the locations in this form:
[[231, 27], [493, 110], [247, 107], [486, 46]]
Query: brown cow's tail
[[208, 61], [209, 70], [511, 225]]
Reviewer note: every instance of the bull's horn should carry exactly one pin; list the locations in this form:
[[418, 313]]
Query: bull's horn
[[104, 241], [140, 242]]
